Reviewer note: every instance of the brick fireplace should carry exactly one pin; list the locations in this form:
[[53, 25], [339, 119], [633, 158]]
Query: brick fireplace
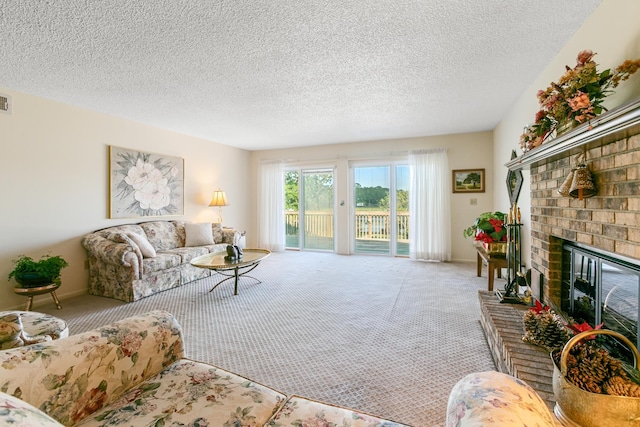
[[609, 221]]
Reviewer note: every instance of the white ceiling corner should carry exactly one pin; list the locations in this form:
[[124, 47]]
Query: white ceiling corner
[[261, 74]]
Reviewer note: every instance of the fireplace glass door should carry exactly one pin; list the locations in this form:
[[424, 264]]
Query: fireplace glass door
[[603, 288]]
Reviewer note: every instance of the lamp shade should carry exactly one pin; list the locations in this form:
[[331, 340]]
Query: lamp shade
[[219, 198]]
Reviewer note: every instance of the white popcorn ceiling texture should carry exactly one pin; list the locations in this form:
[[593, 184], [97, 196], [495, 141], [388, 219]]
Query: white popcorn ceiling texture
[[259, 74]]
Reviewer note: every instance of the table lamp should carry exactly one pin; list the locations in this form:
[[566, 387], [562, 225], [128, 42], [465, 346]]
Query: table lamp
[[219, 199]]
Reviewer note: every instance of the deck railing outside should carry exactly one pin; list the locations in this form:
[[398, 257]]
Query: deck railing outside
[[370, 225]]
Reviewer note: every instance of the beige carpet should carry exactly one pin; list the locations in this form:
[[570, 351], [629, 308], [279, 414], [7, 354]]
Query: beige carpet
[[389, 336]]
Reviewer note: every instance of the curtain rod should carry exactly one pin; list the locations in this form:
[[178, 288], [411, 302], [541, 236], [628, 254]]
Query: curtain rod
[[374, 156]]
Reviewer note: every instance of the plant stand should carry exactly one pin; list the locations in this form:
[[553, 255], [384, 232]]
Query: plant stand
[[40, 290]]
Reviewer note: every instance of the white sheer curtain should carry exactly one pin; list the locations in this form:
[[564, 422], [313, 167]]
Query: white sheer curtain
[[271, 206], [429, 205]]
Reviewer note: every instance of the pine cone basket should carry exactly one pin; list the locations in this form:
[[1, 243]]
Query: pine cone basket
[[591, 388]]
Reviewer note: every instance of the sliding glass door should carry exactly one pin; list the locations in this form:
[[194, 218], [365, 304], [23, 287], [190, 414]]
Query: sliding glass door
[[309, 206], [381, 214]]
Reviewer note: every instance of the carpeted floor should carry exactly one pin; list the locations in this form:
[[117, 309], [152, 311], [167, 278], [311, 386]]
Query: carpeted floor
[[389, 336]]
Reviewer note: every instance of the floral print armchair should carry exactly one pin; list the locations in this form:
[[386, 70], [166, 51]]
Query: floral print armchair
[[133, 373], [495, 399]]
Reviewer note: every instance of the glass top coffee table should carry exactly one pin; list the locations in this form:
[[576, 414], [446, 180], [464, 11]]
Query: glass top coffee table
[[232, 269]]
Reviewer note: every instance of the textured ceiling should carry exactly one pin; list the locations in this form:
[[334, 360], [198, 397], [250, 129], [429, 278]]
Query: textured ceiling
[[261, 74]]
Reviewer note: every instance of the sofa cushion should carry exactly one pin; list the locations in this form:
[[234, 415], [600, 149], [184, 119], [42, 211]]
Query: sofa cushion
[[187, 254], [162, 235], [143, 244], [198, 234], [299, 411], [15, 412], [190, 393], [162, 261]]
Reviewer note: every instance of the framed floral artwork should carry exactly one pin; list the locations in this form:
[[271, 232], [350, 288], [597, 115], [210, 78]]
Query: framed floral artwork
[[468, 181], [144, 184]]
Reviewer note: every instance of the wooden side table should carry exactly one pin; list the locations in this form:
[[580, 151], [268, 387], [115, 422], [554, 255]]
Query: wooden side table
[[492, 262], [40, 290]]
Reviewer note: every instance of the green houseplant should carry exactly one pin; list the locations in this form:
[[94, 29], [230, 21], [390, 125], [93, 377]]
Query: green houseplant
[[488, 228], [30, 273]]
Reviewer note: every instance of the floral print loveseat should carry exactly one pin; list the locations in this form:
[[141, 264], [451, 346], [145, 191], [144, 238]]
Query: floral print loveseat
[[133, 261], [134, 373]]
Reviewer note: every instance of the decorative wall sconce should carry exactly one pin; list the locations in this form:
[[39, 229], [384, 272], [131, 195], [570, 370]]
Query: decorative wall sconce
[[579, 183]]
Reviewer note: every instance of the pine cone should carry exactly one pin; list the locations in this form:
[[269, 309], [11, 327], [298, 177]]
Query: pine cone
[[545, 329], [531, 320], [599, 362], [590, 368], [578, 378], [619, 386]]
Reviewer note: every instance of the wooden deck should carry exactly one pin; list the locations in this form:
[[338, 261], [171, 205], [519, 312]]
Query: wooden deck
[[362, 246], [504, 328]]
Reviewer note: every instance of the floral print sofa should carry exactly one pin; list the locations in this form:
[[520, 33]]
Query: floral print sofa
[[134, 373], [133, 261]]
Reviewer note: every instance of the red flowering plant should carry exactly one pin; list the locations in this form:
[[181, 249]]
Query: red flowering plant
[[539, 308], [576, 98], [583, 327], [488, 227]]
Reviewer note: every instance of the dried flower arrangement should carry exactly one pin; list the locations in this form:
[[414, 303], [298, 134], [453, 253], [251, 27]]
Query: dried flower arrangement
[[576, 98]]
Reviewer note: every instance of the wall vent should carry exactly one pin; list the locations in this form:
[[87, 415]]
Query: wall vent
[[5, 104]]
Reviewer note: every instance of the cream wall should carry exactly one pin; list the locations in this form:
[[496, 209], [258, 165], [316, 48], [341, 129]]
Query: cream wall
[[54, 182], [465, 151], [613, 32]]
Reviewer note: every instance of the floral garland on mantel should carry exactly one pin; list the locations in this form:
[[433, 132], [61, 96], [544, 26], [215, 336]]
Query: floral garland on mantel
[[576, 98]]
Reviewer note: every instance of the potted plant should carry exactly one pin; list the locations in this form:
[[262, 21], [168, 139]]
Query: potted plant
[[30, 273], [489, 229]]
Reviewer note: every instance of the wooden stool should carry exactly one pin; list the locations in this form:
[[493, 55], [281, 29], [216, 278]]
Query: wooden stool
[[40, 290]]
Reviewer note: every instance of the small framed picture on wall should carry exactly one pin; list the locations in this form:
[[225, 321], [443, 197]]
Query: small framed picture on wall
[[468, 181]]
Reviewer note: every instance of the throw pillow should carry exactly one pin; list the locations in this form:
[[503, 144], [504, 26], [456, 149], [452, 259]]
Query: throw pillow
[[198, 234], [143, 244]]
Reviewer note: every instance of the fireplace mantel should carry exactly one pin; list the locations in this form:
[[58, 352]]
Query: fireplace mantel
[[615, 124]]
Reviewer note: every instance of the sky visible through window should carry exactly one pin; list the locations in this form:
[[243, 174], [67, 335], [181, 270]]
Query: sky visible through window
[[375, 176]]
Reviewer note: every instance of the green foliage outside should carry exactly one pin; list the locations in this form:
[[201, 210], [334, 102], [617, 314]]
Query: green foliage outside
[[318, 191], [291, 191], [319, 194], [402, 201]]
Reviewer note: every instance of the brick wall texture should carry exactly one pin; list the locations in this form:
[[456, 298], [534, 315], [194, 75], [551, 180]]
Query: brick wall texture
[[610, 220]]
